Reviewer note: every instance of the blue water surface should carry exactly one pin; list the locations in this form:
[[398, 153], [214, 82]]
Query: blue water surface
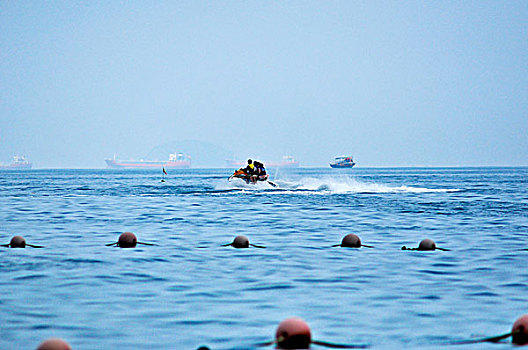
[[189, 290]]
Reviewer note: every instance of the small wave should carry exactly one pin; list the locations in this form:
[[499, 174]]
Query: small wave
[[326, 185], [351, 185]]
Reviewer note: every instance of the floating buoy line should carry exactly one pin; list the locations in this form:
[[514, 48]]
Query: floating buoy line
[[294, 333]]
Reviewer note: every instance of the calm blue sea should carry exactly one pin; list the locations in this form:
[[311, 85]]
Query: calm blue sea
[[189, 290]]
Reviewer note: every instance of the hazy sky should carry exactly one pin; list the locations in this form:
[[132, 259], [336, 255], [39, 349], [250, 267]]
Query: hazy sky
[[394, 83]]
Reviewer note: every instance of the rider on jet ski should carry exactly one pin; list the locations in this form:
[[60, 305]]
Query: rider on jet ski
[[253, 172]]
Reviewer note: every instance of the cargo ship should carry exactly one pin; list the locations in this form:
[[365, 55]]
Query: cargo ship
[[18, 163], [176, 161], [286, 162], [343, 162]]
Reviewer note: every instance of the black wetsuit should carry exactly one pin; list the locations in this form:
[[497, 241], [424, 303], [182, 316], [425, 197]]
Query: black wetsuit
[[249, 172], [262, 174]]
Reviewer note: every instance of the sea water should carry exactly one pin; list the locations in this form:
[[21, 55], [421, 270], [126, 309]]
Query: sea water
[[190, 290]]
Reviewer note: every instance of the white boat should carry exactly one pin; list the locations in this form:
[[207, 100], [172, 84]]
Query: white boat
[[343, 162]]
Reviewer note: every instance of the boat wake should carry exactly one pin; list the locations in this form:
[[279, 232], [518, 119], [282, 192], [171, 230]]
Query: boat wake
[[328, 185]]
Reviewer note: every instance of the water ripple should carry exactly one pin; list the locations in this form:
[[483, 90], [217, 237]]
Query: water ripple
[[102, 297]]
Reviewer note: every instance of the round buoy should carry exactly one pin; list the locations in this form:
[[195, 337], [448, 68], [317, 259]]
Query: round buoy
[[427, 244], [17, 242], [127, 240], [54, 344], [351, 241], [240, 242], [520, 331], [293, 333]]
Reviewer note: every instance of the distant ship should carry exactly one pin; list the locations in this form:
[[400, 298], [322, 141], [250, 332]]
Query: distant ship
[[286, 162], [343, 162], [176, 161], [19, 162]]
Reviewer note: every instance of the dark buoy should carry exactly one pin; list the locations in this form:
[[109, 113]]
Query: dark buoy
[[19, 242], [242, 242], [425, 244], [54, 344], [520, 331], [293, 333], [351, 241], [127, 240]]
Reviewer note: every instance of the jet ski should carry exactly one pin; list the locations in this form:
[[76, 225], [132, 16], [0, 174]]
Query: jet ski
[[242, 174]]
